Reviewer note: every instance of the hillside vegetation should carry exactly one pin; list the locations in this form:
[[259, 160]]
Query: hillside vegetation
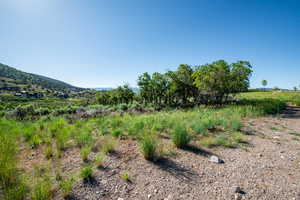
[[12, 77]]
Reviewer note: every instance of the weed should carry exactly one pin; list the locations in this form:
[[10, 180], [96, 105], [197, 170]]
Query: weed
[[125, 176]]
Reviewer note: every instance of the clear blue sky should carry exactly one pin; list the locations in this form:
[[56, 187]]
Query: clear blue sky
[[99, 43]]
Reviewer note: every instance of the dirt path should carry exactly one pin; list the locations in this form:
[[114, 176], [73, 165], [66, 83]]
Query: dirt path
[[267, 168]]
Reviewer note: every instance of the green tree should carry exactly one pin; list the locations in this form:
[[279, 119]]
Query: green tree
[[264, 83], [219, 79]]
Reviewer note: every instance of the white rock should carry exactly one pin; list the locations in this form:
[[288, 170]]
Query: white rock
[[149, 196], [120, 198], [215, 159]]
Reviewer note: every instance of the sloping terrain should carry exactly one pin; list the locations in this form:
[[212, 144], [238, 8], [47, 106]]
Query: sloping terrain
[[22, 78]]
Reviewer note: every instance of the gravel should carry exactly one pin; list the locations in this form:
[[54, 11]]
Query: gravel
[[265, 168]]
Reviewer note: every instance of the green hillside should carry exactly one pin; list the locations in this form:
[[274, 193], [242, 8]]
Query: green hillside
[[10, 76]]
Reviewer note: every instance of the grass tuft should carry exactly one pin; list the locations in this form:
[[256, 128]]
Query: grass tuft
[[148, 146], [180, 137]]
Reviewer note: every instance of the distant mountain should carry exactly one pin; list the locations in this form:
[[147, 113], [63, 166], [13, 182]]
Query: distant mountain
[[19, 78]]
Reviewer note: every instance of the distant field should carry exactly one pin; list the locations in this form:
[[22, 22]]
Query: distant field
[[288, 97]]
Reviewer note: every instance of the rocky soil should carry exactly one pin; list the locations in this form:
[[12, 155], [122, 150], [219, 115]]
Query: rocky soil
[[265, 168]]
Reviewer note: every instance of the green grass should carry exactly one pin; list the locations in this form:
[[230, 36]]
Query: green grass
[[108, 144], [42, 190], [148, 146], [84, 153], [295, 134], [66, 186], [99, 160], [180, 137], [86, 173]]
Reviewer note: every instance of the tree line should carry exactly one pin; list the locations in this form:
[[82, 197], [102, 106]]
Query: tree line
[[212, 83]]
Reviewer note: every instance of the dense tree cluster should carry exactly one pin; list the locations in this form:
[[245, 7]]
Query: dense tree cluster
[[204, 84], [187, 86], [122, 94]]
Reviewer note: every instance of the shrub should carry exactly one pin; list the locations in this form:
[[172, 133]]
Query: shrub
[[42, 111], [66, 187], [148, 146], [86, 173], [180, 137], [122, 107], [21, 112]]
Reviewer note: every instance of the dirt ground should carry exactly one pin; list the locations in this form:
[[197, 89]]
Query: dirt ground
[[265, 168]]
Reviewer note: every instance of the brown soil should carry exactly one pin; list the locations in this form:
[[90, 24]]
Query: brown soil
[[265, 168]]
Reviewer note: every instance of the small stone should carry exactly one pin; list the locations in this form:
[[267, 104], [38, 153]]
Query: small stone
[[97, 192], [149, 196], [169, 197], [155, 191], [276, 137], [239, 190], [237, 196], [215, 159], [120, 198]]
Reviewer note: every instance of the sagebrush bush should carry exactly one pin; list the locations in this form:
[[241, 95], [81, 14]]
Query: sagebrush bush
[[180, 136]]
